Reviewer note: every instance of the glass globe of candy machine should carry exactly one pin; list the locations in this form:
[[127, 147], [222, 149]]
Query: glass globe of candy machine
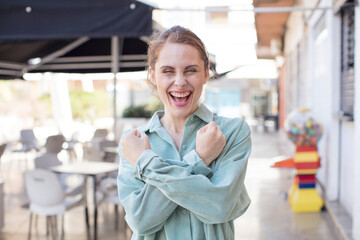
[[302, 129]]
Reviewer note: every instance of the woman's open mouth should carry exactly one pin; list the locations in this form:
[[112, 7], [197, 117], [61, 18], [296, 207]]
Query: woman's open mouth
[[180, 98]]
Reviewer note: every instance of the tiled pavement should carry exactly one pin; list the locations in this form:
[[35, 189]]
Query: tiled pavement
[[268, 218]]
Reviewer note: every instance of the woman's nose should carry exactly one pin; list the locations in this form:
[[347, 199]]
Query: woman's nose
[[180, 80]]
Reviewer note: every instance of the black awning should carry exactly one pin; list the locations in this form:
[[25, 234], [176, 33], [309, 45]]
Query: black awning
[[72, 36], [59, 19]]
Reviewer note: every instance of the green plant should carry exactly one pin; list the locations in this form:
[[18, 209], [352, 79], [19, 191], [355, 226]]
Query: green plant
[[136, 112], [87, 105], [144, 110]]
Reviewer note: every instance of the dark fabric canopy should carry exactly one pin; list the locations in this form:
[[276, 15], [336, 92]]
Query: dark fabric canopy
[[72, 36], [59, 19]]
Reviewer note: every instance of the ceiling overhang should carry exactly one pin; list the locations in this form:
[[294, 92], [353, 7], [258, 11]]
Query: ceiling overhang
[[270, 28]]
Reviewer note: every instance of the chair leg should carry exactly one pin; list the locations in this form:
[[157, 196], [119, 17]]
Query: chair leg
[[47, 227], [53, 231], [87, 222], [30, 223], [62, 227], [116, 217], [56, 226]]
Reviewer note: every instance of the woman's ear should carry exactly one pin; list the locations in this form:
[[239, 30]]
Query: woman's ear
[[207, 75], [152, 76]]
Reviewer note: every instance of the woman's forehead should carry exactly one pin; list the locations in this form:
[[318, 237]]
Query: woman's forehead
[[179, 52]]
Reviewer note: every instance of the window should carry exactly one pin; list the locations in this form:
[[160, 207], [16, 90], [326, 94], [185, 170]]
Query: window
[[347, 62]]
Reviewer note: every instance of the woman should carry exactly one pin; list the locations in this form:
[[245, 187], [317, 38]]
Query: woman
[[182, 175]]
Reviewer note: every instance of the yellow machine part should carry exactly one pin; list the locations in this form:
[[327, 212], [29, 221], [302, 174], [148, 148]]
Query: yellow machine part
[[306, 200]]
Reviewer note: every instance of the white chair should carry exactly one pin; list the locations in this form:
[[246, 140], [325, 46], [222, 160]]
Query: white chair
[[100, 133], [28, 141], [109, 156], [70, 146], [2, 150], [48, 198], [72, 183]]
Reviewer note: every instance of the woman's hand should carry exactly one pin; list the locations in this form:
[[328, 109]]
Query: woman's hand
[[209, 142], [133, 145]]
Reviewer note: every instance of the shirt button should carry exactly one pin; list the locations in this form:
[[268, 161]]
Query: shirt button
[[184, 147]]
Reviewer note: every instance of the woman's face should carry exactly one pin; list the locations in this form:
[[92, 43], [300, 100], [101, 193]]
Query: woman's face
[[179, 76]]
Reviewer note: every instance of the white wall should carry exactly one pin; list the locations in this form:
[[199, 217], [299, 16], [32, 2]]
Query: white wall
[[324, 82], [356, 169], [297, 86]]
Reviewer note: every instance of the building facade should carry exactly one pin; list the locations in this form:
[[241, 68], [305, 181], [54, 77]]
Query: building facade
[[321, 71]]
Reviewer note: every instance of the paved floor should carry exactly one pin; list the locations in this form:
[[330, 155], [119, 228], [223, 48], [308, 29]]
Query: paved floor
[[268, 218]]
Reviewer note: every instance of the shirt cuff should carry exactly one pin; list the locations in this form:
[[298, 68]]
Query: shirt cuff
[[196, 164], [142, 162]]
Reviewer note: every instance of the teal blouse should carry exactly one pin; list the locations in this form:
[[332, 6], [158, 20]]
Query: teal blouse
[[172, 194]]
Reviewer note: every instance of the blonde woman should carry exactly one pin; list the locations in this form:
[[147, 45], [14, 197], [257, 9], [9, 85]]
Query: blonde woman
[[182, 175]]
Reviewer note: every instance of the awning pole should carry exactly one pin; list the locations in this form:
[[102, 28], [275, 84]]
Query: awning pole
[[116, 51], [114, 70]]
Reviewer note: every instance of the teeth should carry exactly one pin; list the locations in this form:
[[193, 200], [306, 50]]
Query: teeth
[[180, 94]]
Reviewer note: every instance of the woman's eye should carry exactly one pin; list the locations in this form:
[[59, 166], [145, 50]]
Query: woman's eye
[[168, 71], [191, 71]]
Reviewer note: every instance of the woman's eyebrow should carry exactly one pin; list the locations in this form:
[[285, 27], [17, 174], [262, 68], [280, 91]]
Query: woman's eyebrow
[[191, 66], [166, 66]]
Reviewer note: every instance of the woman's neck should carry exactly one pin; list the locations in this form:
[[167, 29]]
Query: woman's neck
[[174, 124], [175, 127]]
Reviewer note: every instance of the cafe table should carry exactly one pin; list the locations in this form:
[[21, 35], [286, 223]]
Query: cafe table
[[88, 169]]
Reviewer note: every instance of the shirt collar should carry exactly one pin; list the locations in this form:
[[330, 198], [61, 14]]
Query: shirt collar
[[202, 112]]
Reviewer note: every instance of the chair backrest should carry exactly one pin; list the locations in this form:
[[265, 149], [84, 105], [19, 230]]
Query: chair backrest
[[47, 160], [92, 153], [100, 133], [54, 144], [2, 149], [107, 143], [27, 137], [43, 187]]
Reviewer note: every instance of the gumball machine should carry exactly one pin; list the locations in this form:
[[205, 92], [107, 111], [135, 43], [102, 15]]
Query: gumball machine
[[305, 132]]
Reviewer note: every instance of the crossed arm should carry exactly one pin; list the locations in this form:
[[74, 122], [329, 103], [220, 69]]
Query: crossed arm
[[154, 187]]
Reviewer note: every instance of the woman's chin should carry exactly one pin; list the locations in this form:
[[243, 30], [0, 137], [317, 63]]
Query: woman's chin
[[182, 111]]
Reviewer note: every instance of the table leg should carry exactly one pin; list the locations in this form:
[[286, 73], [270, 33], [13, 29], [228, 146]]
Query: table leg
[[86, 210], [95, 208], [87, 223]]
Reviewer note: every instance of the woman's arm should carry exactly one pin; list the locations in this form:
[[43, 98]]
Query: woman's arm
[[219, 199], [147, 209]]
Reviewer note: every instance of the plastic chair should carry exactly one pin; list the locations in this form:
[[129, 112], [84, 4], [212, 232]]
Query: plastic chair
[[100, 133], [91, 153], [69, 146], [28, 141], [2, 150], [109, 156], [54, 143], [108, 186], [49, 159], [48, 198]]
